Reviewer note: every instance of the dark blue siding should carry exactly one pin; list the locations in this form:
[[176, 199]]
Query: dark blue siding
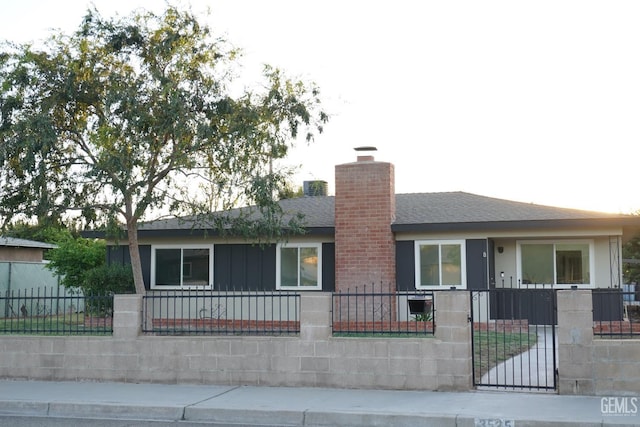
[[236, 266], [405, 265], [328, 267], [244, 266], [120, 255]]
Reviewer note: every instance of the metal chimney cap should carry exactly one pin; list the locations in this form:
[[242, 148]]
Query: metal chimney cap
[[366, 148]]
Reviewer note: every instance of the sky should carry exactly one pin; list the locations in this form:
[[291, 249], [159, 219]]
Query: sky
[[532, 101]]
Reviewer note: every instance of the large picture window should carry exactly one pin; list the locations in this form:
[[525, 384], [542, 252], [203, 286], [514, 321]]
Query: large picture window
[[181, 267], [440, 264], [298, 266], [556, 263]]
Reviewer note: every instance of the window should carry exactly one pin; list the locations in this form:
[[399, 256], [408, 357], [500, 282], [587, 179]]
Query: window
[[440, 263], [181, 267], [298, 266], [557, 263]]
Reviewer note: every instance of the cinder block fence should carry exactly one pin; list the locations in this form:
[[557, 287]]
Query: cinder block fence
[[317, 358], [314, 358], [588, 365]]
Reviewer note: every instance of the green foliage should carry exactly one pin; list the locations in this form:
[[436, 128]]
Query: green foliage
[[133, 115], [81, 263], [73, 258], [109, 279], [290, 192], [106, 280], [631, 251], [40, 233], [424, 317]]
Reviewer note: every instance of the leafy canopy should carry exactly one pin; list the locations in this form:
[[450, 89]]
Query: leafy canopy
[[631, 254], [73, 258], [134, 115]]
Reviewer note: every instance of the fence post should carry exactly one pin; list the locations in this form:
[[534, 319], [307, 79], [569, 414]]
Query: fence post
[[127, 316], [315, 316], [575, 340], [453, 327]]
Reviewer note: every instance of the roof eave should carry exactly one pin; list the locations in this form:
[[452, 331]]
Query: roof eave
[[518, 224], [313, 231]]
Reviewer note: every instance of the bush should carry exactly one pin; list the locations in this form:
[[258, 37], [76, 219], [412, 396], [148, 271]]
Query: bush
[[74, 258], [106, 280], [109, 279]]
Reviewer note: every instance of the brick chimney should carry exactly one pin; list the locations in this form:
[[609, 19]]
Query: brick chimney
[[364, 210]]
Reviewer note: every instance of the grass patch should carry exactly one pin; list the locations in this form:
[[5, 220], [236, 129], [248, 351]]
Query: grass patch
[[63, 324], [492, 348]]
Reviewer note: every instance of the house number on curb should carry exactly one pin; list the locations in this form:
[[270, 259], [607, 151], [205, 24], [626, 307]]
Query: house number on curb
[[494, 422]]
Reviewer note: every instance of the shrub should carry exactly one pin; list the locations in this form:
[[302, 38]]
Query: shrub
[[73, 258], [106, 280]]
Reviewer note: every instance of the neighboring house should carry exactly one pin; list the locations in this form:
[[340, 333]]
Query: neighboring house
[[12, 249], [366, 234], [22, 267]]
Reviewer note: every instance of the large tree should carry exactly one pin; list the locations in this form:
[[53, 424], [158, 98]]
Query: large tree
[[129, 115]]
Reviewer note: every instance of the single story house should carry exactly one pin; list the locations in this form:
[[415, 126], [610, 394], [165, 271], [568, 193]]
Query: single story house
[[23, 267], [366, 234], [23, 250]]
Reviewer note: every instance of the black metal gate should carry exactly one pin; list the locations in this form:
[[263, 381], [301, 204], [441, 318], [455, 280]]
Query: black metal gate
[[514, 338]]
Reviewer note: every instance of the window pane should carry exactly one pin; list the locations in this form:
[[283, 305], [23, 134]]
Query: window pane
[[451, 265], [429, 265], [572, 263], [168, 267], [289, 266], [195, 269], [308, 267], [537, 263]]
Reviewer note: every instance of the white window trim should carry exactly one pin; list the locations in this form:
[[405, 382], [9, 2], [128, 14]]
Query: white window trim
[[463, 262], [554, 242], [318, 247], [177, 246]]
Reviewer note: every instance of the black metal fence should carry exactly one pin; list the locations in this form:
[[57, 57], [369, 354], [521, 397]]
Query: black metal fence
[[514, 338], [44, 311], [616, 313], [194, 312], [374, 310]]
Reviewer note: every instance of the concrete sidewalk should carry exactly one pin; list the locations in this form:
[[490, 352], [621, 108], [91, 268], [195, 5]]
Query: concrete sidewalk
[[283, 406]]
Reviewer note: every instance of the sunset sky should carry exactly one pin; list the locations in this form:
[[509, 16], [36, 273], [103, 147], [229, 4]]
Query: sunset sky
[[533, 101]]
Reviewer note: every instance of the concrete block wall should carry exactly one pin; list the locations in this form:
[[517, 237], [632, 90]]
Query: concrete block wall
[[314, 359], [575, 337], [588, 365]]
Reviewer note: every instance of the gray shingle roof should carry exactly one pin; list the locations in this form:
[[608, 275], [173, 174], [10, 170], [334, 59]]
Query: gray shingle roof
[[416, 210], [457, 207], [24, 243]]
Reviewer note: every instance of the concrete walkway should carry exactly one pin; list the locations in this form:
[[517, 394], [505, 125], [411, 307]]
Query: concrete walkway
[[43, 403], [533, 368]]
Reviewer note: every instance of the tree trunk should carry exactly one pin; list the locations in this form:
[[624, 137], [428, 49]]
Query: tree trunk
[[134, 253]]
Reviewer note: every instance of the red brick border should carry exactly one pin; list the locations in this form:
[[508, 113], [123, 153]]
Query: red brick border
[[229, 325], [622, 327], [98, 322], [380, 326]]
